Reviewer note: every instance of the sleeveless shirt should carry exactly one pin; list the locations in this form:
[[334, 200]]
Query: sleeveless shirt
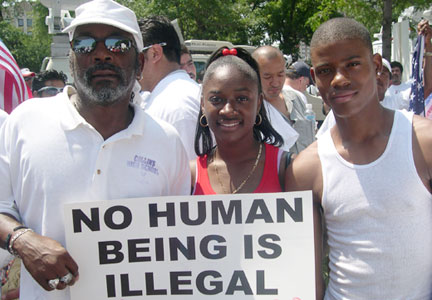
[[269, 182], [379, 221]]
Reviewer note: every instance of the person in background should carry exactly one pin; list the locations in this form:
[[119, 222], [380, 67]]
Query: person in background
[[174, 96], [271, 64], [13, 89], [88, 143], [28, 77], [186, 62], [399, 91], [370, 174], [272, 69], [297, 80], [48, 83]]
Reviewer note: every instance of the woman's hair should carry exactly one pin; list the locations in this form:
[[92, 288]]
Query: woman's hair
[[244, 62]]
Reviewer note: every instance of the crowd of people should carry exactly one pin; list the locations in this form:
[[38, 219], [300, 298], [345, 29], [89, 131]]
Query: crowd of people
[[135, 123]]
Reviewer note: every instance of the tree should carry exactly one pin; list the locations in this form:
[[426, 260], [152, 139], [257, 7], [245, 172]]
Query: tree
[[28, 50], [374, 14], [199, 19]]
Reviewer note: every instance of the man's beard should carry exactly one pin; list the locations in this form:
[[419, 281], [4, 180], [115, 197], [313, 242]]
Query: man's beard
[[106, 94]]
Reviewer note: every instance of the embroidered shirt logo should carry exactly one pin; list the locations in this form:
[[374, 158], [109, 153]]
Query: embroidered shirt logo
[[143, 163]]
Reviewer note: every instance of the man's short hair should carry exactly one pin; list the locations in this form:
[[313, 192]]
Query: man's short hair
[[396, 64], [269, 52], [184, 50], [339, 29], [158, 29], [40, 78]]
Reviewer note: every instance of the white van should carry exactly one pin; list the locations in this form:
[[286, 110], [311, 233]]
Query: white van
[[201, 50]]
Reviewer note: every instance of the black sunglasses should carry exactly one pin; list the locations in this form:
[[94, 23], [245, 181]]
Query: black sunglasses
[[50, 90], [115, 44]]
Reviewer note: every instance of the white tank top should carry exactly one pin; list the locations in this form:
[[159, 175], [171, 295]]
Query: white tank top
[[379, 222]]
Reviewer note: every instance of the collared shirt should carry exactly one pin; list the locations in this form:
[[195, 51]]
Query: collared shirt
[[282, 126], [175, 99], [13, 89], [50, 155]]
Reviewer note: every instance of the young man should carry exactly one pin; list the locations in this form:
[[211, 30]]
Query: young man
[[82, 145], [174, 96], [370, 174]]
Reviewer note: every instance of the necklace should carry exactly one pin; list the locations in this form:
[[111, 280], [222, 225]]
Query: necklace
[[246, 179]]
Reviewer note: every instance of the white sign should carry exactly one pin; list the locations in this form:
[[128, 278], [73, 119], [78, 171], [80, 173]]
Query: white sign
[[245, 246]]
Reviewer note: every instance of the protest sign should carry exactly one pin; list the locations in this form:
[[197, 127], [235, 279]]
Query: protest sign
[[243, 246]]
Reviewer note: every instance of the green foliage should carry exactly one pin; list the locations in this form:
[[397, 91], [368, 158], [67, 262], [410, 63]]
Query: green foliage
[[198, 19], [28, 50], [368, 12]]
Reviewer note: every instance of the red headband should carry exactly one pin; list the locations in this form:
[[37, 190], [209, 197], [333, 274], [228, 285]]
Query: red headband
[[227, 51]]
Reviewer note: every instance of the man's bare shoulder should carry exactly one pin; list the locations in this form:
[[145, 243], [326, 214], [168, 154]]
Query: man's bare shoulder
[[422, 130], [304, 173], [422, 127]]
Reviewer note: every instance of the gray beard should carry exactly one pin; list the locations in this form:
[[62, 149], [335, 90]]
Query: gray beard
[[106, 95]]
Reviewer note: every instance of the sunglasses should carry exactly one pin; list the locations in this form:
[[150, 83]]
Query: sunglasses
[[115, 44], [148, 47], [49, 90]]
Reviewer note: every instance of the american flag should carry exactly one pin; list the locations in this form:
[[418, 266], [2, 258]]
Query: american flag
[[417, 103], [13, 89]]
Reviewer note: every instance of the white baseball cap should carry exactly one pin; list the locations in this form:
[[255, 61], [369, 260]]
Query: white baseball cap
[[106, 12], [386, 64]]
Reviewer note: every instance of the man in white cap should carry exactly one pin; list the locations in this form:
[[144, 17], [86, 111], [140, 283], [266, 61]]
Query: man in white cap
[[85, 144]]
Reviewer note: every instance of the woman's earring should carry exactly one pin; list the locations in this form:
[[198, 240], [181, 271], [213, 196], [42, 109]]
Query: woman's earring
[[201, 121], [258, 120]]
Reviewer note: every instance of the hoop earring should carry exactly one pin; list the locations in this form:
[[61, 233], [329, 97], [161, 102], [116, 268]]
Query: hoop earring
[[203, 117], [258, 123]]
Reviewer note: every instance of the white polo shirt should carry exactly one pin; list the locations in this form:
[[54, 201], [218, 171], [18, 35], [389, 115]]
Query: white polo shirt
[[176, 100], [49, 156]]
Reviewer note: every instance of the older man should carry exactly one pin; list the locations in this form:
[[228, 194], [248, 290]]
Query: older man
[[85, 144]]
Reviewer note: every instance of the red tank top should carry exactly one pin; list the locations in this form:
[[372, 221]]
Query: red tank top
[[269, 180]]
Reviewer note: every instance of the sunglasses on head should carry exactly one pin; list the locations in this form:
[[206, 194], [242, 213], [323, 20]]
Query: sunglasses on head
[[50, 90], [115, 44]]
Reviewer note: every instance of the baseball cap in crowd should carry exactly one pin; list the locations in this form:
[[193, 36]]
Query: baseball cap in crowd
[[27, 73], [300, 68], [106, 12], [386, 64]]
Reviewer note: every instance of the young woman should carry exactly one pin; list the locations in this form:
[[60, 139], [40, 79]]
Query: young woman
[[245, 157]]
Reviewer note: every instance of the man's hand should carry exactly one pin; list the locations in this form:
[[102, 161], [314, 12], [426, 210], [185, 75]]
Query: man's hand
[[46, 259], [424, 28]]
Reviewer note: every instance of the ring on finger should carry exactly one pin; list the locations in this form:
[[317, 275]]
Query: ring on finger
[[67, 278], [53, 283]]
